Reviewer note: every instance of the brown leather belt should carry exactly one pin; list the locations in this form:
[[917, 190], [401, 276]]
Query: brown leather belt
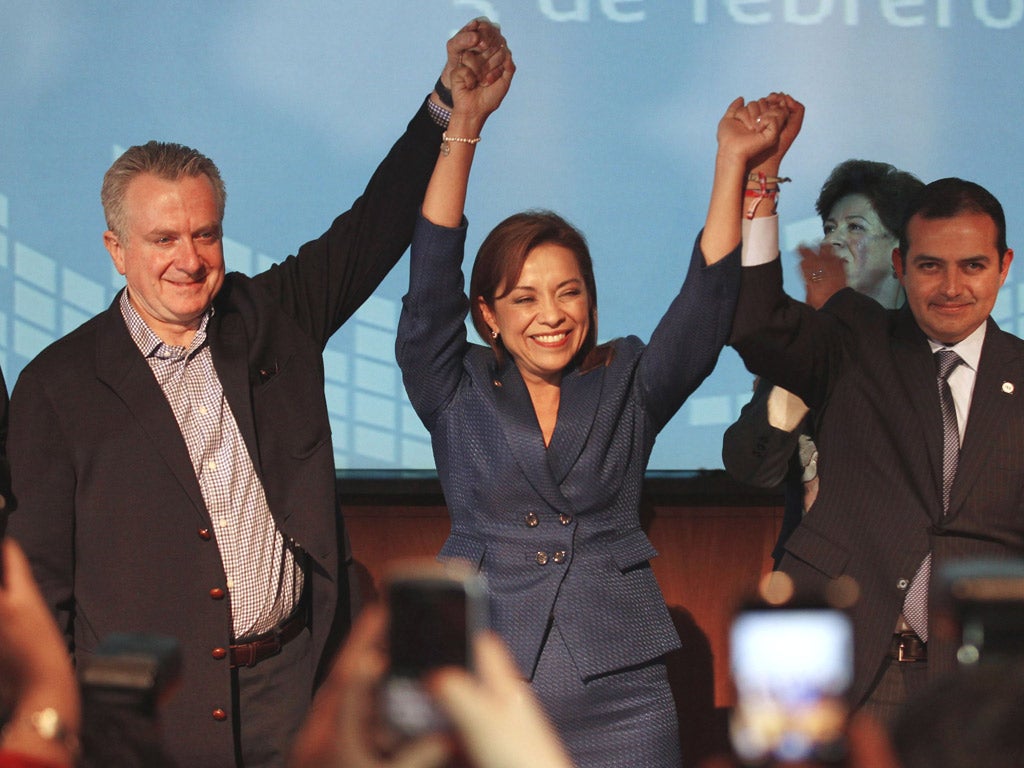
[[907, 647], [270, 644]]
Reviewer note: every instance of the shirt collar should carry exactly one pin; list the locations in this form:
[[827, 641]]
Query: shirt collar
[[969, 349], [151, 345]]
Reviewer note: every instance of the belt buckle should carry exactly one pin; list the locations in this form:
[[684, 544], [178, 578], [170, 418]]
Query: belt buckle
[[906, 641], [899, 652]]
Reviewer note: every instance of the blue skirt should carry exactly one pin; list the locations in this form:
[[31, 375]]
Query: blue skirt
[[624, 718]]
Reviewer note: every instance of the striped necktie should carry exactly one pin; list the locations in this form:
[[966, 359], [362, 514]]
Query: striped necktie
[[915, 604]]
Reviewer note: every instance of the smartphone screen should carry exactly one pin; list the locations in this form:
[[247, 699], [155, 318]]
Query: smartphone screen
[[427, 626], [433, 616], [791, 668]]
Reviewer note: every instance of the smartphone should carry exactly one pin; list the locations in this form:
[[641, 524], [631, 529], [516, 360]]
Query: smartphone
[[792, 667], [434, 611], [133, 670]]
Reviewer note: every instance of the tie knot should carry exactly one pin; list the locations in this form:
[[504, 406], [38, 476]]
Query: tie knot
[[947, 360]]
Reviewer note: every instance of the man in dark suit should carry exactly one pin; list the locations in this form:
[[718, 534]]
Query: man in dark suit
[[172, 457], [903, 489]]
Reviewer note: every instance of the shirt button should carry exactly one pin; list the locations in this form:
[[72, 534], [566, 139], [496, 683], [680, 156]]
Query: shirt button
[[217, 593], [219, 715], [202, 409], [559, 556], [532, 520], [219, 653], [542, 558], [902, 584], [564, 518], [204, 534]]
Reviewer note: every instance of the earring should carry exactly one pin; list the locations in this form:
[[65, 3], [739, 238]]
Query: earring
[[494, 334]]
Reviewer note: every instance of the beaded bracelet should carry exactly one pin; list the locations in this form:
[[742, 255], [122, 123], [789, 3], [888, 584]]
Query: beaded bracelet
[[446, 139]]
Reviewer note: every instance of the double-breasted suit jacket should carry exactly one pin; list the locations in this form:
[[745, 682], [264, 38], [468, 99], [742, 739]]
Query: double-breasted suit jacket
[[111, 513], [869, 374], [556, 530]]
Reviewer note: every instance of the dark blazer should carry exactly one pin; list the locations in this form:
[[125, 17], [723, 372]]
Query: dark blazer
[[110, 511], [756, 453], [868, 372], [556, 530]]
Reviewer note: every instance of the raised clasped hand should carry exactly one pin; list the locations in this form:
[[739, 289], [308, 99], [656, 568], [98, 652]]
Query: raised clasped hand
[[749, 130], [479, 68], [769, 161]]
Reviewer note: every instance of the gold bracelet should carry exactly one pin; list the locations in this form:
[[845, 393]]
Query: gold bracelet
[[446, 147]]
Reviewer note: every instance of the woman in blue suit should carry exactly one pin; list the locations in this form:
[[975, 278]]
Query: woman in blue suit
[[541, 438]]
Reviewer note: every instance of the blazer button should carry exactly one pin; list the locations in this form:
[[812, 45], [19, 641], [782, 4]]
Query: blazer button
[[219, 715], [532, 520], [204, 534], [559, 557], [902, 584], [217, 593], [564, 518], [219, 653], [542, 558]]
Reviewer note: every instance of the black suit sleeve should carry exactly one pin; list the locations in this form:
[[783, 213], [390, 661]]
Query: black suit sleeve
[[330, 277], [755, 452]]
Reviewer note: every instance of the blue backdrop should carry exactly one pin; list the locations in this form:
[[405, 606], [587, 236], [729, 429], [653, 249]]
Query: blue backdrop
[[611, 121]]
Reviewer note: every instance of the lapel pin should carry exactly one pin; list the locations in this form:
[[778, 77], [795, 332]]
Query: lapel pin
[[1008, 387], [497, 383]]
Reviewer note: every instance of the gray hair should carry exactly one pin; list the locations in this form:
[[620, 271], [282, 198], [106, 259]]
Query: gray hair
[[165, 160]]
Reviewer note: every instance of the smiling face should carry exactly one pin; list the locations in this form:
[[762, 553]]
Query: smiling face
[[858, 237], [544, 318], [171, 252], [952, 273]]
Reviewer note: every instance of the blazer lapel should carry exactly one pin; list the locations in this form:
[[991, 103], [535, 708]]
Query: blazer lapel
[[229, 347], [577, 409], [912, 359], [121, 366], [522, 433], [1000, 377]]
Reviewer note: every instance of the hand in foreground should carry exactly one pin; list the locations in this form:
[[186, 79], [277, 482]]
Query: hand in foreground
[[824, 273], [34, 664], [342, 727], [482, 37], [497, 718]]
